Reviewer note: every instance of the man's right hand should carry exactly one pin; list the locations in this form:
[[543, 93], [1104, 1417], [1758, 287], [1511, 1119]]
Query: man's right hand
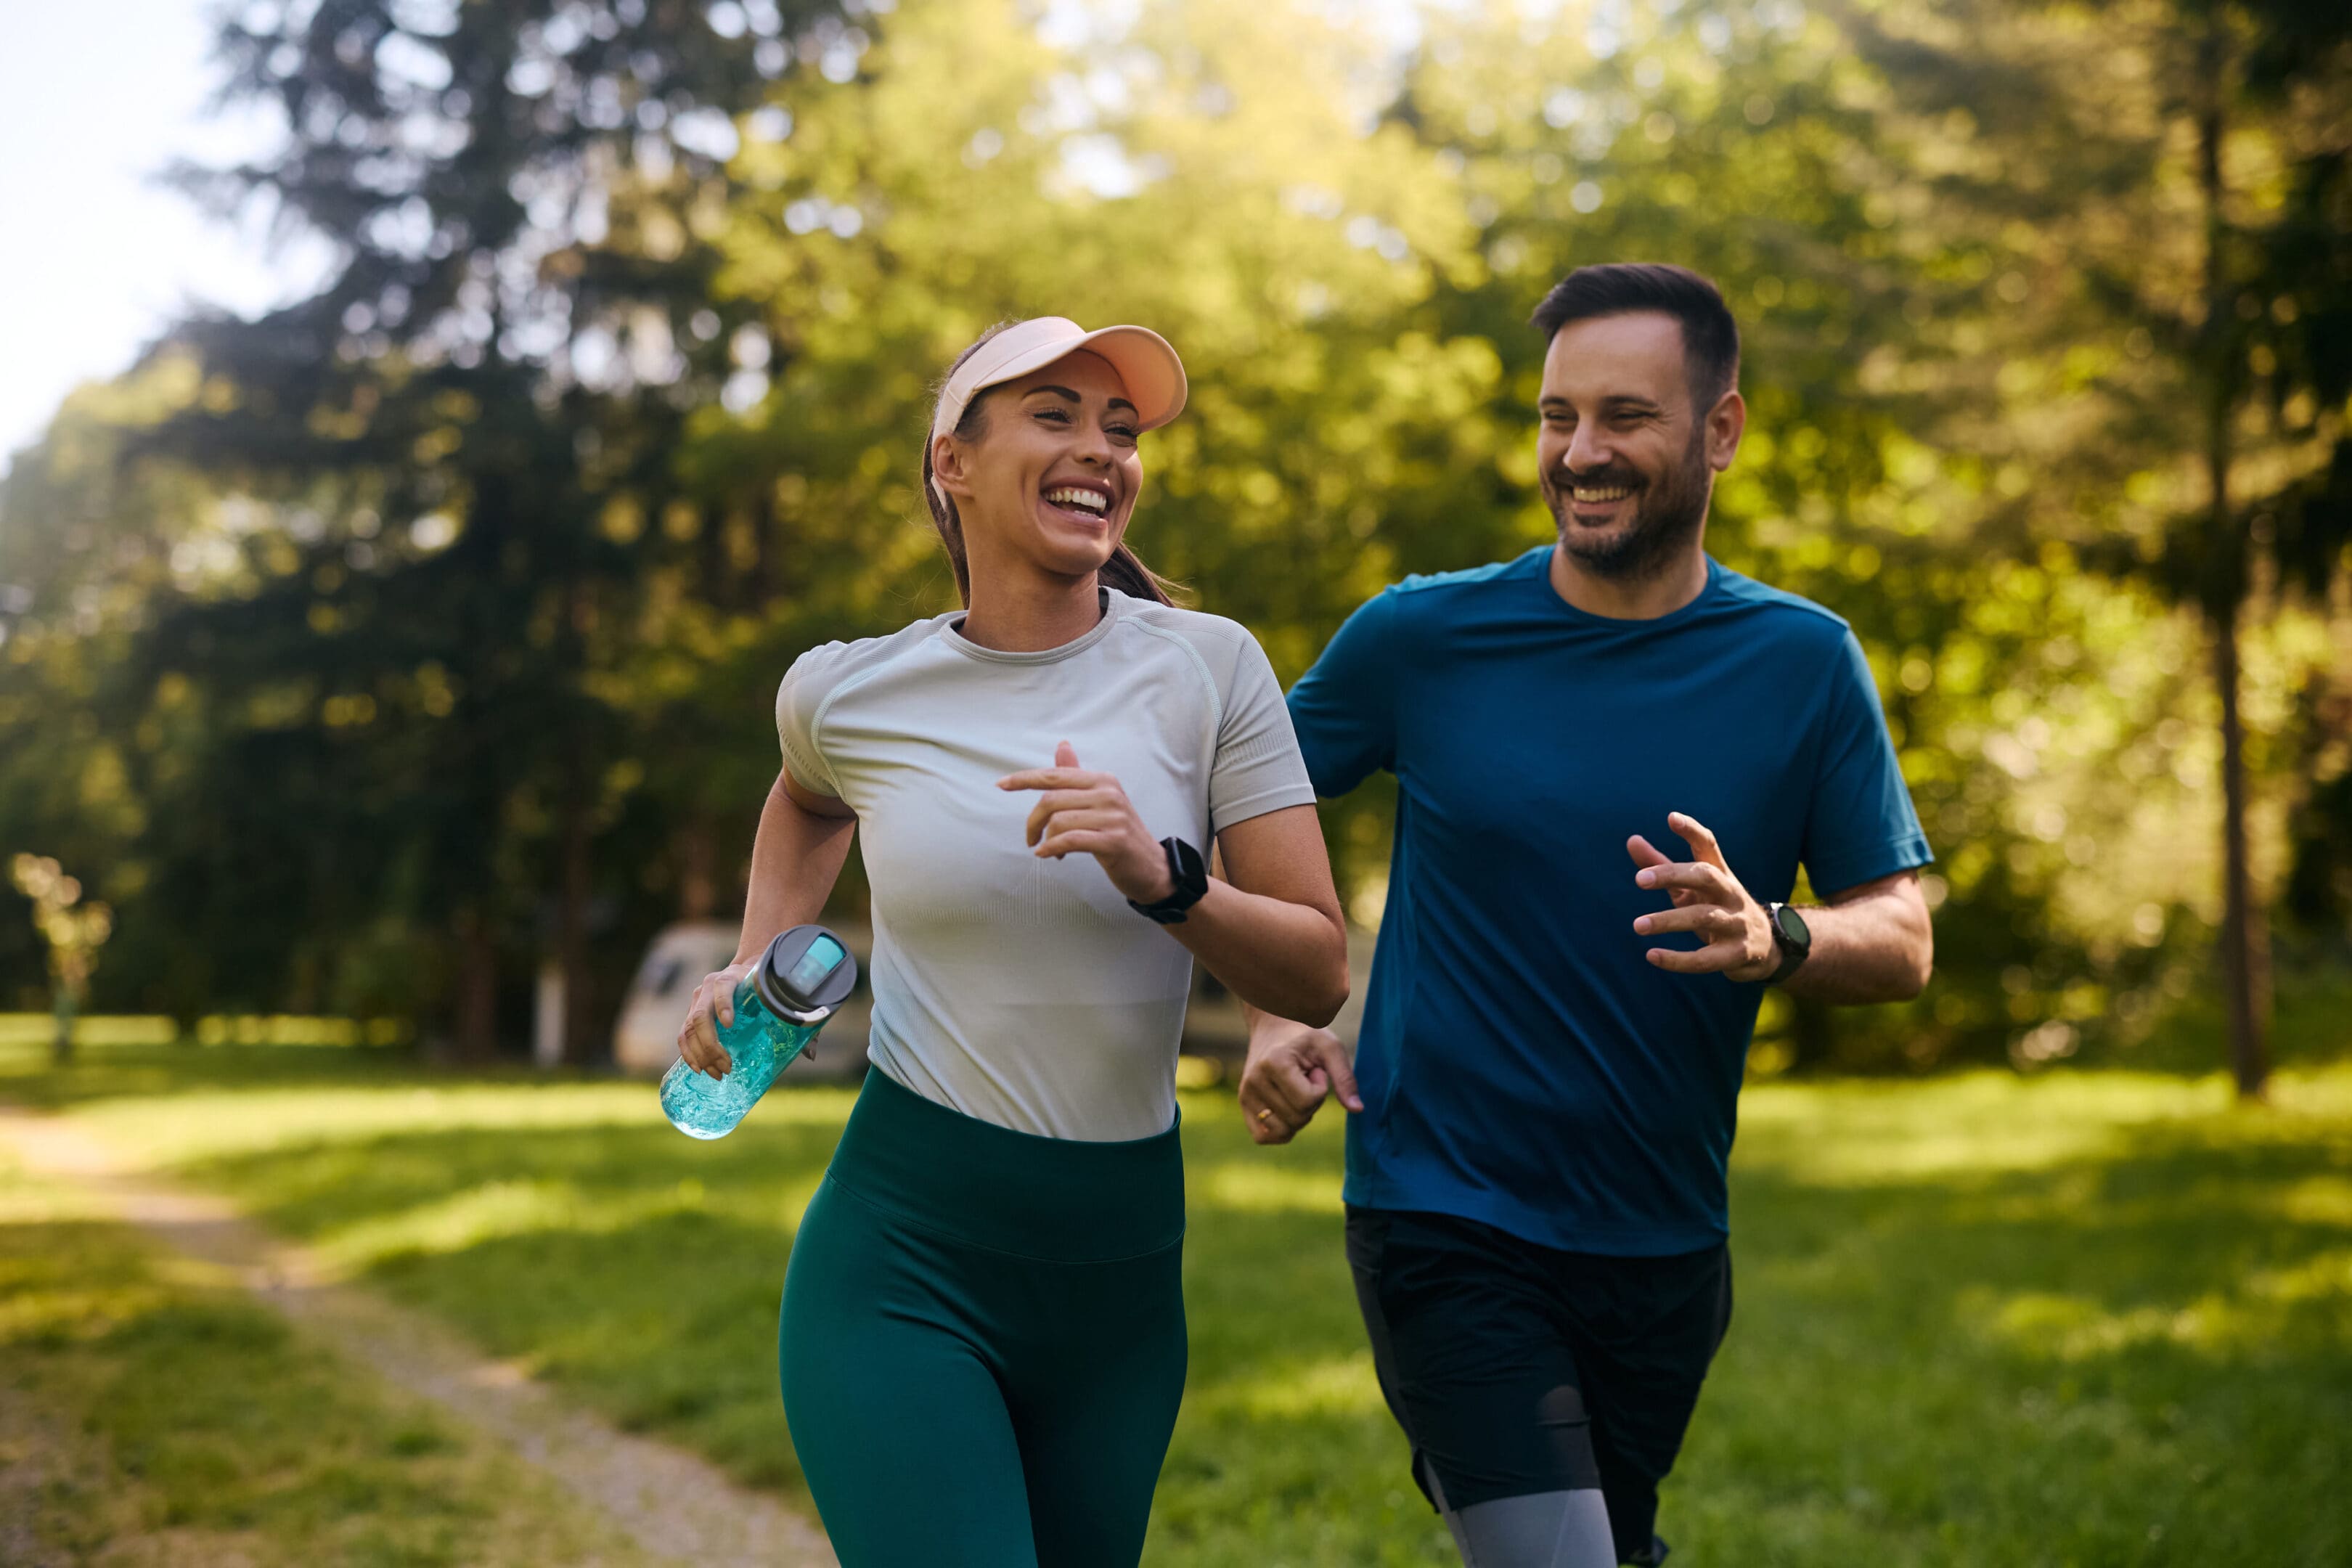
[[697, 1038], [1291, 1068]]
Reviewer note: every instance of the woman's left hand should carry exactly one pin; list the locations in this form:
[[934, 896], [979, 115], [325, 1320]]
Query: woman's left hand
[[1089, 814]]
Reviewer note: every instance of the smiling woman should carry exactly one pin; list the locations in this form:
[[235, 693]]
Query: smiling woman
[[1028, 364], [984, 1307]]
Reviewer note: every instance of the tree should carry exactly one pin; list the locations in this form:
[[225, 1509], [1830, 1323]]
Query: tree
[[520, 194], [87, 544], [2168, 178], [75, 930], [1209, 169], [432, 623]]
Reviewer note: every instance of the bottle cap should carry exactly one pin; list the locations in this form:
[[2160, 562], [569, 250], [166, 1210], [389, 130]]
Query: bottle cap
[[806, 974]]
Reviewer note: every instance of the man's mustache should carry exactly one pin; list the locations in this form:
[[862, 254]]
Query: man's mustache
[[1567, 479]]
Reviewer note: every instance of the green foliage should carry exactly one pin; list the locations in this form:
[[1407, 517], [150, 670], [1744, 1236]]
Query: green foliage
[[427, 629], [378, 745], [2087, 1317], [2167, 186]]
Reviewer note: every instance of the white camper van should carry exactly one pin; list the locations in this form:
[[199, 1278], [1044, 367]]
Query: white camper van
[[645, 1038]]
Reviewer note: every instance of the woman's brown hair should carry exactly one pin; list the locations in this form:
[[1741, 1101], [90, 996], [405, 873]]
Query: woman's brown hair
[[1123, 571]]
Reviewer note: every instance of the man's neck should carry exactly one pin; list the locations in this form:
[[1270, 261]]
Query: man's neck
[[1016, 609], [1631, 598]]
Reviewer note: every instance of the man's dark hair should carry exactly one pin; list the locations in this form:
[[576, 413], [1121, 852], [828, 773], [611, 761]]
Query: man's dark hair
[[1710, 337]]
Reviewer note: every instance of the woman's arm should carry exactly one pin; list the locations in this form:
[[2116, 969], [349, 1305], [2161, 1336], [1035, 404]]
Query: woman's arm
[[1271, 934], [802, 842], [1269, 927]]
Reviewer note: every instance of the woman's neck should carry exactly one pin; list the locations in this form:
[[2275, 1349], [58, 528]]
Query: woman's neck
[[1023, 610]]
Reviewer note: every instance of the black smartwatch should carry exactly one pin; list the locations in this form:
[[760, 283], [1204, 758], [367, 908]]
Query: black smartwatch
[[1190, 875], [1792, 936]]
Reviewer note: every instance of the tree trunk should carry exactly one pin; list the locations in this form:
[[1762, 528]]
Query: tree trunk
[[697, 870], [2244, 933], [61, 1039], [572, 921], [477, 989]]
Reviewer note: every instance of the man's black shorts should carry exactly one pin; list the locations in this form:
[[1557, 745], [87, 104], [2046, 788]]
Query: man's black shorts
[[1516, 1368]]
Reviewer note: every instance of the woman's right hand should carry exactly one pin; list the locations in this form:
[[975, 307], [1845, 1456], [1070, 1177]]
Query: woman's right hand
[[713, 1008]]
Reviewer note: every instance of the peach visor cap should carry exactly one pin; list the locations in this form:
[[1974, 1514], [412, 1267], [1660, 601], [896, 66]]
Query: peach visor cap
[[1144, 360]]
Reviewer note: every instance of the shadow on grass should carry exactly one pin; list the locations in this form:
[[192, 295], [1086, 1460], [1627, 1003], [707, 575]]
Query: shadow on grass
[[641, 1272], [2136, 1351], [148, 1416], [2143, 1356], [627, 1264], [112, 1072]]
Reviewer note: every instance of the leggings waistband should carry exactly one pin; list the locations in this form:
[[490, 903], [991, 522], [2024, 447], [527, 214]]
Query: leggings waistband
[[1057, 1199]]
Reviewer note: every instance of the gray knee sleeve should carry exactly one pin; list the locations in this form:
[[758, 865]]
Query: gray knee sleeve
[[1542, 1529]]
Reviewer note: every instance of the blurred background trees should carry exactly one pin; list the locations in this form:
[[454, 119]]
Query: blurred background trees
[[378, 654]]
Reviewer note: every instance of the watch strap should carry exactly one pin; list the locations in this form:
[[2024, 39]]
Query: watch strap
[[1190, 876]]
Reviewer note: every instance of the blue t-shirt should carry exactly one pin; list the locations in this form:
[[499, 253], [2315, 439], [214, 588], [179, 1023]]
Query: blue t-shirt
[[1521, 1063]]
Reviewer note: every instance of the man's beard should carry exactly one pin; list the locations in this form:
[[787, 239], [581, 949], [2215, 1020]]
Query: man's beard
[[1666, 516]]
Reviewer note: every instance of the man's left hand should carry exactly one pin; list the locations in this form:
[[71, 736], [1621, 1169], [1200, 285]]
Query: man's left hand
[[1710, 902]]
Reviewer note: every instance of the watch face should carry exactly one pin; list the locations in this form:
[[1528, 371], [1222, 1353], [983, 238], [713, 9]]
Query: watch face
[[1190, 872], [1793, 930]]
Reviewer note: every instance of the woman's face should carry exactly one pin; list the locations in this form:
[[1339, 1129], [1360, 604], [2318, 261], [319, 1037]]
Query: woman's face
[[1052, 480]]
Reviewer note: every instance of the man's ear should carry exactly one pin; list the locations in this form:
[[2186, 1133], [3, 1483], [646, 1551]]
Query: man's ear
[[1726, 423]]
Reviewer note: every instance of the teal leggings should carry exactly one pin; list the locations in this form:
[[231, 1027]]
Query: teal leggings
[[983, 1345]]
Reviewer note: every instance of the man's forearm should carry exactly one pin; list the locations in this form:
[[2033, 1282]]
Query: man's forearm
[[1871, 945]]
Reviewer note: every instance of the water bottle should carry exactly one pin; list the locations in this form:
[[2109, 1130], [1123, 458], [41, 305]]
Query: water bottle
[[799, 983]]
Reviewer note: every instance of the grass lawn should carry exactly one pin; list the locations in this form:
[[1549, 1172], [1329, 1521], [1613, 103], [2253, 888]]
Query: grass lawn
[[152, 1414], [2088, 1318]]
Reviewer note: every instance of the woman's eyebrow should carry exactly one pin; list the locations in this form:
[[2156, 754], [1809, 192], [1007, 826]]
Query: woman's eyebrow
[[1065, 392], [1061, 392]]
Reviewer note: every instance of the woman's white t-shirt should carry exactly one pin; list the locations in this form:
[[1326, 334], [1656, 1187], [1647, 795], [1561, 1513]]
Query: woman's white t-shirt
[[1021, 990]]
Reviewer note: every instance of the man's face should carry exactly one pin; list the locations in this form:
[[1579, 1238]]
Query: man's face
[[1625, 458]]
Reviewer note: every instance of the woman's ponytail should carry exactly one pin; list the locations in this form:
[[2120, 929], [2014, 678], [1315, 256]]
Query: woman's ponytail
[[1125, 571]]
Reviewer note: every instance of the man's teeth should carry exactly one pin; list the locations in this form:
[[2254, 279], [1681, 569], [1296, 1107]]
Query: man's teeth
[[1092, 500], [1600, 495]]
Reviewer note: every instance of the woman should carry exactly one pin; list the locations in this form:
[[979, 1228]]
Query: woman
[[982, 1341]]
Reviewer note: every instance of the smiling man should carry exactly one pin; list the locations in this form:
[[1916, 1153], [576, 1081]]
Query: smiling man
[[1548, 1076]]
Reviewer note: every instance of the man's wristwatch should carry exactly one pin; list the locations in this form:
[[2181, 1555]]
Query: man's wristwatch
[[1792, 936], [1190, 875]]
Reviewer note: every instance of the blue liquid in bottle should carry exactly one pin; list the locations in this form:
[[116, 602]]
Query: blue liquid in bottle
[[763, 1041]]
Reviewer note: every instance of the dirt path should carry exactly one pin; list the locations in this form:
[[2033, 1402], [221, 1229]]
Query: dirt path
[[672, 1503]]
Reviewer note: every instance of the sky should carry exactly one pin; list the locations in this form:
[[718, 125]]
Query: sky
[[94, 98]]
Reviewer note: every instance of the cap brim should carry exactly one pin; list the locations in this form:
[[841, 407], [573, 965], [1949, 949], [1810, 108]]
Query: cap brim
[[1146, 363]]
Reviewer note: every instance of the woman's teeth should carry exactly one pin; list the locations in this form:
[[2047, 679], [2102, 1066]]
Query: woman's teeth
[[1087, 500]]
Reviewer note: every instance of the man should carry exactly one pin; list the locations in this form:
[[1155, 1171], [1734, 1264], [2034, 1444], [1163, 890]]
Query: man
[[1561, 1010]]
